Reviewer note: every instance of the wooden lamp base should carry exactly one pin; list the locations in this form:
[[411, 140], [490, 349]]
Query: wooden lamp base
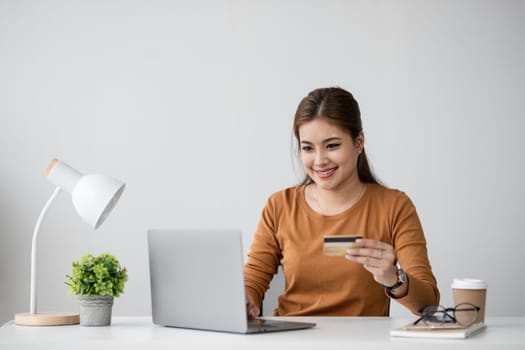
[[47, 319]]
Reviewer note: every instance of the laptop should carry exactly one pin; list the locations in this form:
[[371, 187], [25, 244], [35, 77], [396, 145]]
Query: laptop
[[197, 282]]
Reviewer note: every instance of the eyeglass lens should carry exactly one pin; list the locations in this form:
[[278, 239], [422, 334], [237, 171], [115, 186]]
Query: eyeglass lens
[[436, 314], [465, 314]]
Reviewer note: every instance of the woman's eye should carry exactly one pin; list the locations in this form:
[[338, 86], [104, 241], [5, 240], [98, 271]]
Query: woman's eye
[[306, 148], [333, 145]]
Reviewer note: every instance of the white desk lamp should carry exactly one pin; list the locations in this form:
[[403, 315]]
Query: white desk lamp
[[93, 196]]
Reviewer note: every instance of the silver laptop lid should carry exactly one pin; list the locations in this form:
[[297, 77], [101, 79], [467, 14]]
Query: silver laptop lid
[[197, 279]]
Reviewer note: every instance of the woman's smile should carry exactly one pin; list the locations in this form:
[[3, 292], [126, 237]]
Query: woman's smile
[[325, 173]]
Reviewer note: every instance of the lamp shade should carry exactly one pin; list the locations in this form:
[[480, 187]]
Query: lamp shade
[[93, 195]]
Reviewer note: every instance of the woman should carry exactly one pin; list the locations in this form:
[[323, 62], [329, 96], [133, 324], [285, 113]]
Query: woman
[[339, 196]]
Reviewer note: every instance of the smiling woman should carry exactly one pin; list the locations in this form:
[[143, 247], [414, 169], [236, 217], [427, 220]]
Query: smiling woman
[[339, 108], [329, 157], [339, 196]]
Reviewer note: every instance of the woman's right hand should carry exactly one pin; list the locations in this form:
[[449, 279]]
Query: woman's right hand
[[252, 309]]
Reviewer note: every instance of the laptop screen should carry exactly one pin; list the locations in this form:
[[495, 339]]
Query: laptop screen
[[197, 279]]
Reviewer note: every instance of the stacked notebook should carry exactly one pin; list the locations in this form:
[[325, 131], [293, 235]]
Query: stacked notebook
[[445, 330]]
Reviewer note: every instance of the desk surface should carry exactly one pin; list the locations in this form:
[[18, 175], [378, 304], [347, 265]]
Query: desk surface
[[331, 332]]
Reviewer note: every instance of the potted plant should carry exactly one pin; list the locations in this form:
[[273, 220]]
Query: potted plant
[[96, 280]]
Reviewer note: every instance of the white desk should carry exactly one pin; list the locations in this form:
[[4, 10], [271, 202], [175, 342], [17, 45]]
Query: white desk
[[330, 333]]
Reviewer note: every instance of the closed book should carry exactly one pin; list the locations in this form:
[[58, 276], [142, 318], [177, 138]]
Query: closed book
[[445, 330]]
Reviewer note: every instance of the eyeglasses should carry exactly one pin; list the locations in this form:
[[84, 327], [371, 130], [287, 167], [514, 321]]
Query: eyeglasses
[[463, 314]]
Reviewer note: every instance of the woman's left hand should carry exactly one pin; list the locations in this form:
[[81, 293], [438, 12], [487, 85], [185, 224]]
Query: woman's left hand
[[377, 257]]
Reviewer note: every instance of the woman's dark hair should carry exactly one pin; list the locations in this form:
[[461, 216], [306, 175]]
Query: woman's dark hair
[[341, 109]]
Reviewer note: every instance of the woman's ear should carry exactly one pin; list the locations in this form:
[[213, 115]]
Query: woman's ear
[[360, 142]]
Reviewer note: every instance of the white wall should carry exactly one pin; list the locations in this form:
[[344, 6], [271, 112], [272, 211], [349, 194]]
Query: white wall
[[191, 103]]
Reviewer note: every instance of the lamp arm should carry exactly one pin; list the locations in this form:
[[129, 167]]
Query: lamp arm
[[32, 305]]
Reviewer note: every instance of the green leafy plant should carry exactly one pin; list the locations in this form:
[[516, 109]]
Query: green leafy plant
[[101, 275]]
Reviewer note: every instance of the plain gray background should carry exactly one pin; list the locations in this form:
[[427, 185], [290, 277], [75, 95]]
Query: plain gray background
[[191, 104]]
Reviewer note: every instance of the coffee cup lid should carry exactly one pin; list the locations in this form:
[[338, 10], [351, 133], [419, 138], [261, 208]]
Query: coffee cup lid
[[468, 283]]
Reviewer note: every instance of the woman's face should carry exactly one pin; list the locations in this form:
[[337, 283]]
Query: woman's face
[[328, 153]]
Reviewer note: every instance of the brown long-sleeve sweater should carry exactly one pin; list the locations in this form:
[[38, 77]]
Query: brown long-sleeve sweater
[[291, 233]]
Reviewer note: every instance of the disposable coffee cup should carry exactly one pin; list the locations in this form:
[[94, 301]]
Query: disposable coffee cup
[[472, 291]]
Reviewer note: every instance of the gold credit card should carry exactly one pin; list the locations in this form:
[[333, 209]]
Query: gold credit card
[[338, 245]]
